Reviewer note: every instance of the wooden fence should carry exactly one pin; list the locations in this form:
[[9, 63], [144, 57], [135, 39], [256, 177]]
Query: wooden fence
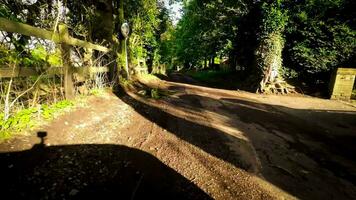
[[60, 37], [27, 71]]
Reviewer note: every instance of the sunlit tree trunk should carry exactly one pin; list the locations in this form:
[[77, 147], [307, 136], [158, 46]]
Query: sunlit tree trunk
[[269, 57], [269, 50]]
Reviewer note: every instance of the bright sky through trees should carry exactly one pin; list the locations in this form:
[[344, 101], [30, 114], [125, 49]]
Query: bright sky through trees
[[175, 10]]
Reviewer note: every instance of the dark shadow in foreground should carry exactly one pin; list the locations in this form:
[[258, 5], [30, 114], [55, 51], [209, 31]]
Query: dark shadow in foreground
[[90, 171]]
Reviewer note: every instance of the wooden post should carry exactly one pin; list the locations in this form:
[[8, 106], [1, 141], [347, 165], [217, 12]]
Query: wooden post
[[123, 42], [67, 67], [88, 63]]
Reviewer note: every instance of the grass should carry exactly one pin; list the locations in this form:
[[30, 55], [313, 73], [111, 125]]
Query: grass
[[207, 76], [98, 91], [125, 83], [152, 93], [157, 93], [30, 118], [223, 79]]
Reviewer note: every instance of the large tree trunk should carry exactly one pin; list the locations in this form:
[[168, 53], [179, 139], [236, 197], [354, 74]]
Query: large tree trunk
[[271, 43], [269, 61]]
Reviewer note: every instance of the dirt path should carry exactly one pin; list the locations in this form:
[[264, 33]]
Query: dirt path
[[196, 143]]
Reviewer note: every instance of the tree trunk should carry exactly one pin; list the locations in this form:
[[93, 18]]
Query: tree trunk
[[269, 60]]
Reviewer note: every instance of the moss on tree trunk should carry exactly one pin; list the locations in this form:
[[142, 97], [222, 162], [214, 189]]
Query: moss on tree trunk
[[269, 59]]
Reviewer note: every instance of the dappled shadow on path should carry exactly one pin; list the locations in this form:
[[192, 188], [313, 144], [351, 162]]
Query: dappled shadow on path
[[327, 137], [207, 138], [90, 171], [307, 153]]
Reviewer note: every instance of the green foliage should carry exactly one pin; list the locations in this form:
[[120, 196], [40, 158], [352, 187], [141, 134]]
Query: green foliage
[[39, 53], [225, 79], [155, 94], [288, 73], [274, 18], [150, 37], [312, 37], [7, 57], [208, 75], [37, 57], [97, 91], [28, 118], [206, 29], [7, 11], [126, 83], [55, 58], [20, 120], [320, 37], [50, 111]]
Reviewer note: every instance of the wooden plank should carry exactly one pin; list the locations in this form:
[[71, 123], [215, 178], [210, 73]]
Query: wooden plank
[[94, 70], [16, 27], [24, 29], [25, 72], [81, 43], [17, 72]]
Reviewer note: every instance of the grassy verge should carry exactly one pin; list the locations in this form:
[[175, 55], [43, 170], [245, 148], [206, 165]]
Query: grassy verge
[[32, 117], [217, 79], [207, 76]]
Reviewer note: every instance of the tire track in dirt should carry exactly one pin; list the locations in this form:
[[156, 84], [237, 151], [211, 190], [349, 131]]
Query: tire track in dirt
[[242, 148]]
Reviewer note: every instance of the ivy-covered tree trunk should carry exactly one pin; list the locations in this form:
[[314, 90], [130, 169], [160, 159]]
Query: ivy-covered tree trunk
[[269, 51], [269, 60]]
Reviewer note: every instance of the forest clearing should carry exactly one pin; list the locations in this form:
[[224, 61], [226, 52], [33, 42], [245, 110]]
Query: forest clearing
[[182, 99]]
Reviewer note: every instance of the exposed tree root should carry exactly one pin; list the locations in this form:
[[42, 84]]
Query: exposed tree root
[[278, 87]]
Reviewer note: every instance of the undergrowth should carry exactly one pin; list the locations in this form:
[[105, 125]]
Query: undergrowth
[[153, 93], [207, 76], [223, 79], [97, 91], [30, 117]]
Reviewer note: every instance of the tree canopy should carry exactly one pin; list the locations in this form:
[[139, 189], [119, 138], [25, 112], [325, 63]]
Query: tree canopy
[[313, 36], [270, 40]]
